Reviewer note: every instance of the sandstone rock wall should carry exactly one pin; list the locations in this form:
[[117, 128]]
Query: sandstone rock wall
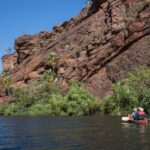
[[9, 62], [98, 47]]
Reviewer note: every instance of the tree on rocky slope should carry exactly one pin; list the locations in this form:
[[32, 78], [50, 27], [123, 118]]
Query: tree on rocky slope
[[87, 1]]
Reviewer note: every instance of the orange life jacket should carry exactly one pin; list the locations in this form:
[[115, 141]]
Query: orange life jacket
[[141, 113]]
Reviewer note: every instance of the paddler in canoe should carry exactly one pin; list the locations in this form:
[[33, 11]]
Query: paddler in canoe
[[134, 115], [138, 116]]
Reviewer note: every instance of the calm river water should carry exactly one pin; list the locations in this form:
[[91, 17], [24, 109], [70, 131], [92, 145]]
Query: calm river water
[[72, 133]]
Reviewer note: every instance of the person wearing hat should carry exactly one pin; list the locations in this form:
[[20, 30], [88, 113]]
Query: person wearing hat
[[141, 114]]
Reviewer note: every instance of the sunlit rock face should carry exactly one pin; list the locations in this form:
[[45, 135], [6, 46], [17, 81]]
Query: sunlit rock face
[[98, 47], [9, 62]]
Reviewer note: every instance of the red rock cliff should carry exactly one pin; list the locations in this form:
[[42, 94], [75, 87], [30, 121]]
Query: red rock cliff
[[98, 47]]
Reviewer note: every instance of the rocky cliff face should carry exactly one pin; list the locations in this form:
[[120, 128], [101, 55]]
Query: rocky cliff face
[[98, 47]]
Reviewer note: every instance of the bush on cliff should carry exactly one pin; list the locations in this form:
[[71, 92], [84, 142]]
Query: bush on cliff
[[5, 81]]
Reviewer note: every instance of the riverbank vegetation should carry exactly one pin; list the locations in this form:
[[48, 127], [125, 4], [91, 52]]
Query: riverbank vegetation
[[44, 97], [134, 91]]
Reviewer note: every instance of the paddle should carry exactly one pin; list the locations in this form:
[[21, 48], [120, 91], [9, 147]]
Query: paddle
[[125, 118]]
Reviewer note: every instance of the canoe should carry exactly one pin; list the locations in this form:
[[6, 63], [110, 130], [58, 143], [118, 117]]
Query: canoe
[[130, 120], [139, 121]]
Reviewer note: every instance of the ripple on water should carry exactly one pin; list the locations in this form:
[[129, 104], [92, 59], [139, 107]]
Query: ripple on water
[[66, 133]]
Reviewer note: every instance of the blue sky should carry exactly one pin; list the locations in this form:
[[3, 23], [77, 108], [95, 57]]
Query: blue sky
[[18, 17]]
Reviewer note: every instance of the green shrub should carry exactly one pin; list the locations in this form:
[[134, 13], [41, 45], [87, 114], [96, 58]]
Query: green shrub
[[81, 102], [49, 75], [129, 93], [2, 109], [133, 12], [5, 81], [12, 109], [40, 109], [52, 59]]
